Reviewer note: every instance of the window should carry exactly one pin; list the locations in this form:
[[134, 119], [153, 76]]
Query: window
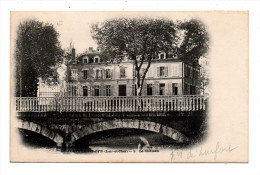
[[162, 56], [163, 71], [108, 73], [85, 72], [74, 91], [74, 74], [149, 89], [98, 74], [162, 89], [96, 59], [122, 72], [85, 91], [108, 90], [174, 89], [85, 60], [96, 90]]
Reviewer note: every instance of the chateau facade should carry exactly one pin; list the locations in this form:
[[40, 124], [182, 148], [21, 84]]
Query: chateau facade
[[91, 75]]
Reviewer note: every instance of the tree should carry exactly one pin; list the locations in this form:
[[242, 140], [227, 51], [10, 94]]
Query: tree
[[193, 47], [141, 38], [37, 52], [195, 41]]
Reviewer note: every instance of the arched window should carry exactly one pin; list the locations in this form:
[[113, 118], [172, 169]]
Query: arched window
[[96, 59], [85, 59], [162, 55]]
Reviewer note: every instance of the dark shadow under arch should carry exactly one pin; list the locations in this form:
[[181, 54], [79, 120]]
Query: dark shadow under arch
[[129, 123], [44, 131]]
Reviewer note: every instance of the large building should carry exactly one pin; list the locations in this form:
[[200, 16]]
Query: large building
[[91, 74]]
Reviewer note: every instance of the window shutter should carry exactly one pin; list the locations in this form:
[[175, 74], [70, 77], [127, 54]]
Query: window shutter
[[144, 88], [153, 89], [102, 74], [91, 73], [111, 71], [175, 70], [92, 91], [103, 89], [166, 71], [158, 71], [88, 74], [112, 90], [157, 88], [169, 89]]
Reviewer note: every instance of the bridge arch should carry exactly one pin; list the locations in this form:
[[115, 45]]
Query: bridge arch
[[131, 124], [34, 127]]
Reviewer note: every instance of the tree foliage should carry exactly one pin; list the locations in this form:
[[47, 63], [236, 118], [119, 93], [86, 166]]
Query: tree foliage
[[144, 38], [141, 38], [195, 41], [37, 52]]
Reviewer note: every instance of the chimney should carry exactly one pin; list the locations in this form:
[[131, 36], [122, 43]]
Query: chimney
[[90, 49], [99, 49], [73, 53]]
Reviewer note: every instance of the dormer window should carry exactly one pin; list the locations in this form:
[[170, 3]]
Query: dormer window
[[125, 56], [162, 56], [85, 59], [96, 59]]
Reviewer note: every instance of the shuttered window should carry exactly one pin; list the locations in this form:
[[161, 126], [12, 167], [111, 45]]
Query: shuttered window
[[162, 71]]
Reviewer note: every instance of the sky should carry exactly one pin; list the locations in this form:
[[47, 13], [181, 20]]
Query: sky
[[75, 26]]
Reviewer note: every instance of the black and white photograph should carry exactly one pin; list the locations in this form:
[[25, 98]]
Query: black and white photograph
[[123, 87]]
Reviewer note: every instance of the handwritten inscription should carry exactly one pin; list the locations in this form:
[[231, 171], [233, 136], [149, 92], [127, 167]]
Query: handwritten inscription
[[202, 152]]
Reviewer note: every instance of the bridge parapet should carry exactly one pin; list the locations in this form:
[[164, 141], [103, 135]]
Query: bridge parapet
[[110, 104]]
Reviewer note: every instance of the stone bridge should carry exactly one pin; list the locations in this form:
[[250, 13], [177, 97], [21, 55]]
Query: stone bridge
[[66, 128], [66, 120]]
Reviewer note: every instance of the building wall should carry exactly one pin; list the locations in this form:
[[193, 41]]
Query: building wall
[[173, 74]]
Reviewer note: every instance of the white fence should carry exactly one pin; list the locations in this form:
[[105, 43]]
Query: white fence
[[110, 104]]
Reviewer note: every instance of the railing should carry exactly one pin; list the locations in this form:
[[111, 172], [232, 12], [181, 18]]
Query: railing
[[110, 104]]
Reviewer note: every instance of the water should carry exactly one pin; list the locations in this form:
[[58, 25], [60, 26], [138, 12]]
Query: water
[[118, 140]]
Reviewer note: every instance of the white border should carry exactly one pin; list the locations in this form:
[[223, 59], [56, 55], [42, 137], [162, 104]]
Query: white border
[[7, 168]]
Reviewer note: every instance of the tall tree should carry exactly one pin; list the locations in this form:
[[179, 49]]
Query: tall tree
[[37, 52], [194, 41], [194, 48], [141, 38]]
